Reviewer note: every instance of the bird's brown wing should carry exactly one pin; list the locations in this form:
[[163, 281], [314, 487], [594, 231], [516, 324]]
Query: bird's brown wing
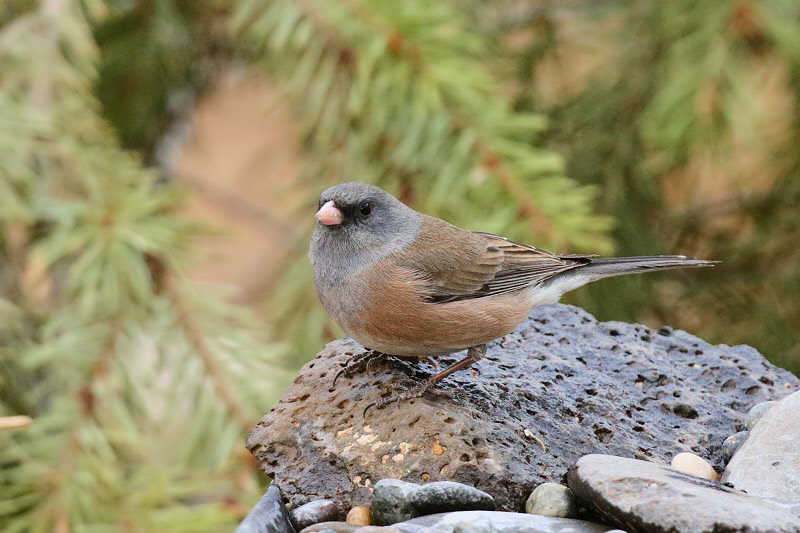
[[458, 264]]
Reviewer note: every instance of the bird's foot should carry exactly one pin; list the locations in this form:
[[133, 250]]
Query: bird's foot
[[356, 365], [474, 354], [414, 392]]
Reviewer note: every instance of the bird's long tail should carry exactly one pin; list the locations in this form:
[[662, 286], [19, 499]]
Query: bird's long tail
[[600, 267]]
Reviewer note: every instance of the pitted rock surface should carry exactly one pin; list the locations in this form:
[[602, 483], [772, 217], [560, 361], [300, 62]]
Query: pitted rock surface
[[561, 386]]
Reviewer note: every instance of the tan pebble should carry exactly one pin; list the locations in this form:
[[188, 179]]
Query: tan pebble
[[384, 459], [695, 465], [367, 482], [367, 429], [397, 458], [359, 516], [437, 448], [357, 480], [344, 432], [425, 477]]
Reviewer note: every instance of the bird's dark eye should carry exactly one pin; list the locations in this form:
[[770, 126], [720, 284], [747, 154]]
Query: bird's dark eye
[[365, 209]]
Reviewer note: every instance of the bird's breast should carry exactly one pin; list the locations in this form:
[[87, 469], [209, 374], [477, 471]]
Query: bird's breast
[[394, 316]]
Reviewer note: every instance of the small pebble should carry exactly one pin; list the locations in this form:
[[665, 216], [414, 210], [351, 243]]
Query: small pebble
[[695, 465], [755, 413], [552, 499], [732, 444], [315, 512], [446, 496], [359, 516], [391, 501]]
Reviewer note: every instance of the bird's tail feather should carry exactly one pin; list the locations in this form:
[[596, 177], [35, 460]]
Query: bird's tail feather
[[597, 268]]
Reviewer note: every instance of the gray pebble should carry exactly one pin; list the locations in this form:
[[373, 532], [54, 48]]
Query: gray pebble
[[552, 499], [315, 512], [732, 444], [397, 501], [447, 496], [391, 501], [755, 413]]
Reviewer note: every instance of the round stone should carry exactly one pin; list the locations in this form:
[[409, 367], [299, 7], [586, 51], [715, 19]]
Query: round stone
[[695, 465], [315, 512], [391, 501], [732, 444], [359, 516], [552, 499], [755, 413]]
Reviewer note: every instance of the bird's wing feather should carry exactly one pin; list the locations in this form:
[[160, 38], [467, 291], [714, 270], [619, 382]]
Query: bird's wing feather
[[473, 265]]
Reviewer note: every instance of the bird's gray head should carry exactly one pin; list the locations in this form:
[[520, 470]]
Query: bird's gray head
[[358, 223]]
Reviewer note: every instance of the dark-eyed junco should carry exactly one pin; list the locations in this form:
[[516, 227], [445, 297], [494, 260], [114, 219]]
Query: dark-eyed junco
[[403, 283]]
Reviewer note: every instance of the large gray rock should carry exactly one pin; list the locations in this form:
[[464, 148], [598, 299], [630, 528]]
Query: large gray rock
[[643, 497], [768, 463], [560, 387], [499, 522]]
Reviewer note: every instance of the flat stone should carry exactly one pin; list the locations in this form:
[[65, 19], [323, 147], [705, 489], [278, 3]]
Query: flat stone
[[503, 522], [768, 463], [337, 527], [314, 512], [446, 496], [268, 514], [408, 528], [646, 497], [561, 386]]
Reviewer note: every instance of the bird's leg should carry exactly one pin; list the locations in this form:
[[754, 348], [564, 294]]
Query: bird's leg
[[474, 354], [358, 364]]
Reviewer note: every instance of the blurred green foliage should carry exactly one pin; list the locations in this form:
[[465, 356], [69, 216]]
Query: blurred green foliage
[[628, 127]]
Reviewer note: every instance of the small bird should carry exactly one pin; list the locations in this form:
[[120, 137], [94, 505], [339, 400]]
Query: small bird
[[407, 284]]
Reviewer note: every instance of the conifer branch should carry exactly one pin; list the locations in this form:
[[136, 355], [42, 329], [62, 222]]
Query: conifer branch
[[214, 371]]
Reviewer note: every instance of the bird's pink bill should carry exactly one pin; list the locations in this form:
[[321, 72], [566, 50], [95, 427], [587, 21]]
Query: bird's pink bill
[[329, 214]]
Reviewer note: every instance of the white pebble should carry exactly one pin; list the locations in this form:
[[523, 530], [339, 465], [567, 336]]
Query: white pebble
[[695, 465]]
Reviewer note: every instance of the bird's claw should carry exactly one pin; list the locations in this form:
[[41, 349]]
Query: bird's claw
[[357, 364], [408, 394]]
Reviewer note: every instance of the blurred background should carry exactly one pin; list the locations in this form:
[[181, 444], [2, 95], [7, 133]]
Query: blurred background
[[161, 161]]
